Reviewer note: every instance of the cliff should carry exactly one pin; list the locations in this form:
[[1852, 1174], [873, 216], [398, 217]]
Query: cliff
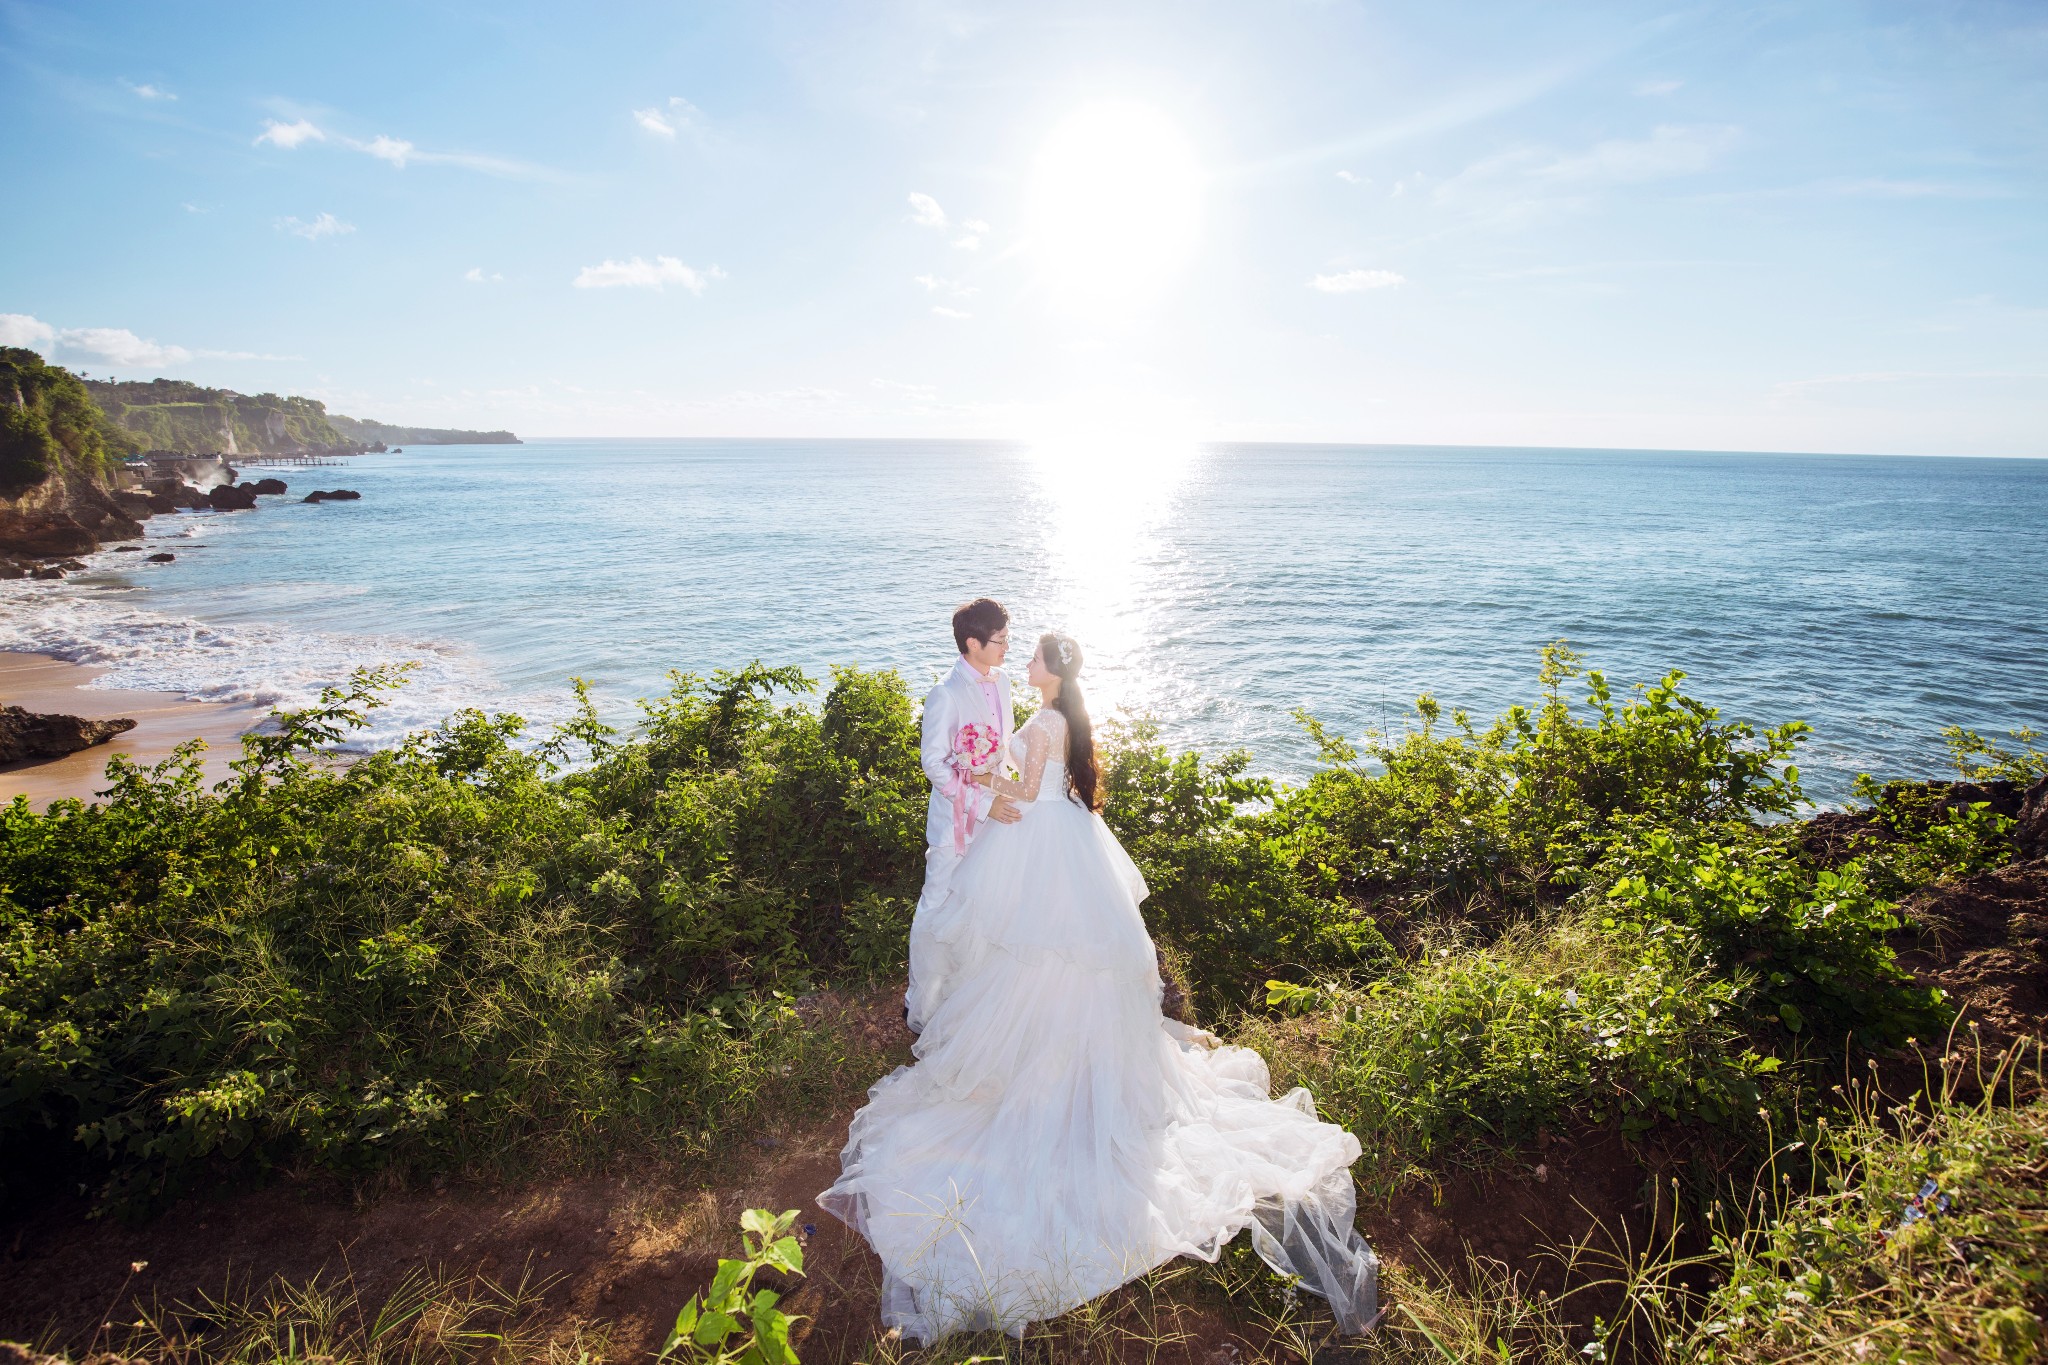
[[383, 433], [172, 414], [57, 457]]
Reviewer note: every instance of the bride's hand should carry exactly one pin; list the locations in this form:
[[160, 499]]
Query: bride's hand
[[985, 780]]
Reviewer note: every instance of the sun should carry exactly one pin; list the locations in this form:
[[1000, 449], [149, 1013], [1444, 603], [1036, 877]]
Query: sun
[[1115, 204]]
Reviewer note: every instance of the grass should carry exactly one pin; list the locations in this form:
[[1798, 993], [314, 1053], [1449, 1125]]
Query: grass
[[432, 1316]]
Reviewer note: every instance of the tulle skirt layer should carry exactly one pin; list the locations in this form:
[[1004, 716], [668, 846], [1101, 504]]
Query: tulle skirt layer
[[1057, 1137]]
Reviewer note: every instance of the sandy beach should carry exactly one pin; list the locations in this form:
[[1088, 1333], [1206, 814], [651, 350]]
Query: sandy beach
[[164, 720]]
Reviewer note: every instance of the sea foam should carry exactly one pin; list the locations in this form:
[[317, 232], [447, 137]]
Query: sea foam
[[252, 663]]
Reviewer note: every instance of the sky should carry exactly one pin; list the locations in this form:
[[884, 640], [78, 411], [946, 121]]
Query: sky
[[1807, 225]]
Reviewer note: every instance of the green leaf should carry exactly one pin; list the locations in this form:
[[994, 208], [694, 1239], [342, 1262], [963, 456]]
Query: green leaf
[[785, 1255], [714, 1328], [729, 1273], [1794, 1020]]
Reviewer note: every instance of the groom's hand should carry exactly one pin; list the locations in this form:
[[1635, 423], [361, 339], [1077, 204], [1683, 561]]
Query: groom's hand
[[1004, 811]]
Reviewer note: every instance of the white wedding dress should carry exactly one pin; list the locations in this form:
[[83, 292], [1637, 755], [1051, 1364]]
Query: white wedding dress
[[1058, 1136]]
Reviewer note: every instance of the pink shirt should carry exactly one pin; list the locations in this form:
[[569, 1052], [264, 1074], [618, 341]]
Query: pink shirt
[[994, 699]]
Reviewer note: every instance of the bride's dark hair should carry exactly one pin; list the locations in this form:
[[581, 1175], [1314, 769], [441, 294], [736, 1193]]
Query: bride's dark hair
[[1063, 660]]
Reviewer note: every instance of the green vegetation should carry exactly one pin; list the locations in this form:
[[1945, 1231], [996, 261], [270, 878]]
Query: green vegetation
[[48, 423], [175, 414], [476, 952], [374, 433]]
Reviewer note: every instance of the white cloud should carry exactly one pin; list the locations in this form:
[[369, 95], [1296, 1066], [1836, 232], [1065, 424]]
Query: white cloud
[[922, 392], [396, 150], [937, 284], [974, 225], [940, 311], [149, 92], [289, 135], [637, 273], [1352, 281], [475, 275], [326, 225], [109, 345], [925, 211], [392, 149], [1648, 88], [19, 329], [1669, 150], [119, 346], [190, 207], [968, 243], [1350, 178], [677, 116]]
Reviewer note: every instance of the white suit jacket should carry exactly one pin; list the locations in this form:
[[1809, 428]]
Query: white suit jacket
[[957, 700]]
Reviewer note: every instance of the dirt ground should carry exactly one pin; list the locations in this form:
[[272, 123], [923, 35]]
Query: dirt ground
[[619, 1254]]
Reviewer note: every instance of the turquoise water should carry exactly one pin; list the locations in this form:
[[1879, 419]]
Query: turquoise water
[[1878, 599]]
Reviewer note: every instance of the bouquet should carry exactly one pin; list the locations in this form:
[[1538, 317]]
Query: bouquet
[[975, 747]]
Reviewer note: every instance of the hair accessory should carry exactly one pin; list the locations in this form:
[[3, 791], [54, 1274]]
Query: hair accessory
[[1066, 650]]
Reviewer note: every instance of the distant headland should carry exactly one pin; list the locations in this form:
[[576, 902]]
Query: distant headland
[[174, 415], [84, 462]]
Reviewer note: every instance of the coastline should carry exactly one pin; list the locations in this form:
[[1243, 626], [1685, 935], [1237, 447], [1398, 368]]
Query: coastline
[[163, 720]]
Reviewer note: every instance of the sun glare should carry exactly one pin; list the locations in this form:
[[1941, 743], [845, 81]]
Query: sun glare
[[1115, 204]]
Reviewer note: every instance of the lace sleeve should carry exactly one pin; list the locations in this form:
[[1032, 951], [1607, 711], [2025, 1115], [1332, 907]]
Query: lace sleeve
[[1039, 734]]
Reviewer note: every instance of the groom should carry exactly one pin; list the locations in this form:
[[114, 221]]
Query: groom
[[974, 692]]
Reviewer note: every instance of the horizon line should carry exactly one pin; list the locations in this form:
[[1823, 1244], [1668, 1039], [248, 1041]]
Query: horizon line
[[1025, 442]]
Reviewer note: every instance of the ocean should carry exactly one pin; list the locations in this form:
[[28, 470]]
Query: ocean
[[1216, 589]]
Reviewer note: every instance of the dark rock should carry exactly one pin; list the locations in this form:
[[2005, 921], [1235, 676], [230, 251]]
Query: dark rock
[[46, 571], [106, 522], [336, 495], [26, 734], [233, 497], [138, 506], [269, 485], [161, 557], [51, 536], [127, 549], [72, 566], [2030, 834], [10, 569]]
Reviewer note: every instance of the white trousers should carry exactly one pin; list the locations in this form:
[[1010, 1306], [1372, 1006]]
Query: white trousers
[[940, 862]]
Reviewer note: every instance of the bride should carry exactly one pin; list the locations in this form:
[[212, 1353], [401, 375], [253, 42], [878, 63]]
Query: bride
[[1058, 1136]]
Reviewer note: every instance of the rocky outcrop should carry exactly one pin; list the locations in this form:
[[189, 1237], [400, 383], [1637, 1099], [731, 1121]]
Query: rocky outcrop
[[269, 486], [29, 735], [337, 495], [2030, 833], [172, 495], [232, 497], [64, 514]]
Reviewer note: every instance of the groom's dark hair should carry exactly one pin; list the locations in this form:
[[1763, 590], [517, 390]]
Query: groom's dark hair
[[978, 620]]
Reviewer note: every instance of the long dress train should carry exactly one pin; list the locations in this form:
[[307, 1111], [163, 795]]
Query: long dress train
[[1058, 1136]]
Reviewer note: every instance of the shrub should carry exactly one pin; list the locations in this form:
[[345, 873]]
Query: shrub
[[1812, 944], [1490, 1042]]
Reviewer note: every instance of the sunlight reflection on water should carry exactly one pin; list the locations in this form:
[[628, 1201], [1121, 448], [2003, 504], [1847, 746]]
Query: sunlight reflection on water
[[1109, 509]]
